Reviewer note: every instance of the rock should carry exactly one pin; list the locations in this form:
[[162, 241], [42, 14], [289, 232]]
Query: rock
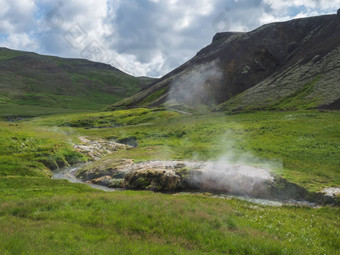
[[152, 175], [224, 35], [284, 190], [114, 168], [292, 47], [170, 176], [108, 181], [103, 180], [338, 13], [96, 149], [258, 66], [332, 191], [245, 70], [153, 179], [175, 175], [131, 141]]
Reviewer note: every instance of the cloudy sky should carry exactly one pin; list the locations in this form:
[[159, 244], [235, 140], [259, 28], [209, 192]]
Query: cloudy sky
[[141, 37]]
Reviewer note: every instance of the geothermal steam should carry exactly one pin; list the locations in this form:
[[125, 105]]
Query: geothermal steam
[[233, 178], [196, 86], [238, 179]]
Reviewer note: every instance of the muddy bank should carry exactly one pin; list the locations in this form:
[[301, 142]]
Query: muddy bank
[[174, 176]]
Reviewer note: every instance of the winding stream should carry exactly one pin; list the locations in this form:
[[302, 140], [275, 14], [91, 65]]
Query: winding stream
[[70, 175]]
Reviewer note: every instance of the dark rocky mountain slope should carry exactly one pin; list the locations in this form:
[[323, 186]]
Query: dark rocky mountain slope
[[283, 65]]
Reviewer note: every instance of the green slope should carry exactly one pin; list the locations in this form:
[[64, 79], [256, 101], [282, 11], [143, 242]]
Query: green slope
[[31, 84]]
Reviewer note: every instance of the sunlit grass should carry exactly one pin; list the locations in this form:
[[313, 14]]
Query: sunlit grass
[[39, 215], [79, 220], [26, 150]]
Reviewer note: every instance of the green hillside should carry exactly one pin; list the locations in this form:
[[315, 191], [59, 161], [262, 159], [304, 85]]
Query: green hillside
[[32, 84]]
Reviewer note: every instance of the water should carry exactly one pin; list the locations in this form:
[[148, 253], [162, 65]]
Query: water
[[259, 201], [70, 175]]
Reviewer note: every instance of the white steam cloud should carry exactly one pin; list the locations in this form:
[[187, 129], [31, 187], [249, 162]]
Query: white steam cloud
[[234, 172], [196, 86], [239, 178]]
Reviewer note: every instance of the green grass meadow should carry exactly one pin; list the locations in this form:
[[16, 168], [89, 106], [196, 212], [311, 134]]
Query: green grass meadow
[[40, 215]]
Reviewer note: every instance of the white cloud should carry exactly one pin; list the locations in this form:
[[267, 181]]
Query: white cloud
[[320, 4], [21, 41], [16, 16], [141, 37]]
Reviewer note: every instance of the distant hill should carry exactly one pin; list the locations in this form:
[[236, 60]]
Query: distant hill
[[283, 65], [32, 84]]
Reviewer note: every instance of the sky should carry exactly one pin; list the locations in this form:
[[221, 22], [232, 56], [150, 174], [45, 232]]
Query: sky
[[140, 37]]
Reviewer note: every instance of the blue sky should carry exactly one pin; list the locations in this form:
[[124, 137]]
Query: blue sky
[[141, 37]]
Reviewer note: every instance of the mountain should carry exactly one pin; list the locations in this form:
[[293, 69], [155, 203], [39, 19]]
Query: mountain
[[32, 84], [282, 65]]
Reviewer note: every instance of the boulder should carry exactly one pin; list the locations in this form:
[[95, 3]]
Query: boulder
[[130, 141], [153, 179], [110, 182], [114, 168]]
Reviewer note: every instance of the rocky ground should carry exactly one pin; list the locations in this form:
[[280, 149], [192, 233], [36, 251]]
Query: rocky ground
[[178, 175], [95, 149], [171, 176]]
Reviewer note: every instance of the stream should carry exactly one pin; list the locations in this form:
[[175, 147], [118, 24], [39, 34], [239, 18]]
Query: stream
[[70, 175]]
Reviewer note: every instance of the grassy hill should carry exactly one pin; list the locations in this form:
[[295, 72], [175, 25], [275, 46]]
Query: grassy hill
[[31, 84]]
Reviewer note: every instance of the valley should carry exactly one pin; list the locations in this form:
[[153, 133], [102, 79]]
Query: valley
[[236, 151]]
